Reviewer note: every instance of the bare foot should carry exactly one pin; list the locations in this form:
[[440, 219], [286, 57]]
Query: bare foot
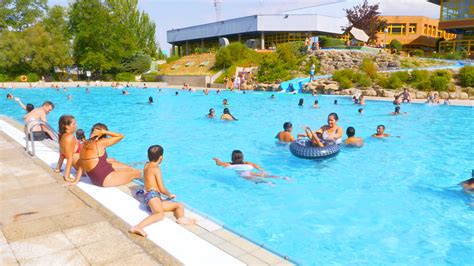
[[57, 170], [137, 231], [186, 221]]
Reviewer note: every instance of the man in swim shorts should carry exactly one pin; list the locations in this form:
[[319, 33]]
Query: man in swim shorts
[[40, 132], [285, 135]]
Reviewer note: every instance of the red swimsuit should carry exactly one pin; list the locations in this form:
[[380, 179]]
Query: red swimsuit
[[101, 170]]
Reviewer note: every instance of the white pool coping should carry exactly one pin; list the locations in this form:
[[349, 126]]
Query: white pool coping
[[180, 243]]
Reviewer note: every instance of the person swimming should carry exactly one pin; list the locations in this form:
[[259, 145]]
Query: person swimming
[[244, 169], [361, 111], [211, 114], [285, 135], [227, 115], [468, 185], [352, 140], [150, 100], [335, 102], [380, 132], [316, 104], [225, 102], [301, 102]]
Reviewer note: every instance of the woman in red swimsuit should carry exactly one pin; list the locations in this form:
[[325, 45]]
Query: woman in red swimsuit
[[69, 148], [102, 171]]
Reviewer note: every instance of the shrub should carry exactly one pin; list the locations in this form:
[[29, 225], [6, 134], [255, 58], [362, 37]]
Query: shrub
[[345, 83], [382, 81], [172, 58], [423, 85], [137, 63], [4, 77], [443, 73], [466, 75], [108, 77], [419, 75], [403, 76], [439, 83], [394, 82], [331, 42], [343, 73], [32, 77], [418, 53], [363, 79], [150, 77], [124, 76], [369, 67], [396, 45]]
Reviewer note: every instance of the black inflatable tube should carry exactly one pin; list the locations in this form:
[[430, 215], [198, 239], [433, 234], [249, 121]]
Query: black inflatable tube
[[306, 150]]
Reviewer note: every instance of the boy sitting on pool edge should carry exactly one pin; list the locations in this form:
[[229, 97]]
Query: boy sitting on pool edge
[[154, 187]]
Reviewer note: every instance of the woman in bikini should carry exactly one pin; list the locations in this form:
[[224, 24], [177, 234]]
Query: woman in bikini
[[102, 171], [69, 147], [330, 133]]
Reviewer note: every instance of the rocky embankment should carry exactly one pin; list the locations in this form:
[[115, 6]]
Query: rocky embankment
[[328, 86]]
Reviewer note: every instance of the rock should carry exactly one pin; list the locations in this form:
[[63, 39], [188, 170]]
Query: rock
[[347, 92], [453, 95], [444, 95], [394, 64], [334, 87], [388, 93], [463, 96], [420, 95], [370, 92]]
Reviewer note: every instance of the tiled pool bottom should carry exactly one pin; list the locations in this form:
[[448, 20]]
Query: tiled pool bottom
[[245, 251]]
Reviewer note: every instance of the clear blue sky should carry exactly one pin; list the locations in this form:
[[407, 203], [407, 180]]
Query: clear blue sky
[[169, 14]]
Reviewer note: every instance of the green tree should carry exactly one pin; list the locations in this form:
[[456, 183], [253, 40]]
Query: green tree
[[138, 63], [396, 45], [223, 58], [21, 14]]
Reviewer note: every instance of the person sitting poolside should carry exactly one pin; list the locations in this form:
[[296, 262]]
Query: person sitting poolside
[[380, 132], [155, 187], [103, 172], [211, 114], [69, 147], [436, 99], [352, 140], [468, 185], [405, 96], [238, 164], [227, 115], [429, 99], [316, 104], [285, 135]]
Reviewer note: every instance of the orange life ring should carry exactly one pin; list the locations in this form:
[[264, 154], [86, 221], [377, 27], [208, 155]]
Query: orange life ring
[[23, 78]]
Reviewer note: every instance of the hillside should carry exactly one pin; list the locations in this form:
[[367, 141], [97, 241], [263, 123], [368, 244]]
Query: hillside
[[196, 64]]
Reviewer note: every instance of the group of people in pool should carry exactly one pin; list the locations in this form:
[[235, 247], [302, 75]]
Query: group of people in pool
[[226, 115]]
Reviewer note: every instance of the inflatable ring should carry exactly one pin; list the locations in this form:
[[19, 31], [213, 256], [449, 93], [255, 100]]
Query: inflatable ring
[[23, 78], [306, 150]]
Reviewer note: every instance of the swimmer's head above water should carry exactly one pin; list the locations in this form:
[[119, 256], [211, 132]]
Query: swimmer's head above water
[[287, 126], [237, 157], [468, 184]]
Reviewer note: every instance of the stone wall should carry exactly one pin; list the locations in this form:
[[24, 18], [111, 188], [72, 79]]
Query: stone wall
[[332, 60], [194, 81]]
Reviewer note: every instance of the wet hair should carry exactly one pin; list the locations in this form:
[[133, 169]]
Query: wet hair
[[335, 101], [210, 110], [360, 110], [287, 125], [397, 109], [334, 115], [29, 107], [226, 111], [237, 157], [64, 121], [80, 134], [350, 132], [9, 96], [176, 93], [150, 99], [155, 152], [381, 126], [301, 102], [316, 101], [99, 126], [46, 103], [224, 101], [469, 182]]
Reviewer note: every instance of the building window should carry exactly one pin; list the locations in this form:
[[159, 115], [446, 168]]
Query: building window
[[397, 29], [457, 9], [425, 29], [412, 28]]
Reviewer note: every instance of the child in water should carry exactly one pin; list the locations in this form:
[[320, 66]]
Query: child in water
[[286, 136], [244, 169], [154, 187]]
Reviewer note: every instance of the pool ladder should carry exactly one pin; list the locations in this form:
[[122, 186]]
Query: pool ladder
[[29, 134]]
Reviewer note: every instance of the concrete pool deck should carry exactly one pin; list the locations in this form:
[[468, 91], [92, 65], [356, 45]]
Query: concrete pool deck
[[43, 222]]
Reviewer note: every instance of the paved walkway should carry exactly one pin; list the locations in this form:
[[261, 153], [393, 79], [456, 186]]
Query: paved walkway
[[44, 223]]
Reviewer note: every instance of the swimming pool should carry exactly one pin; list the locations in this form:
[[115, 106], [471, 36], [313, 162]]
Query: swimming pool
[[394, 201]]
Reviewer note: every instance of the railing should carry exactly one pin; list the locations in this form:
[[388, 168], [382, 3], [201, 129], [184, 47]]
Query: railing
[[456, 45], [29, 134]]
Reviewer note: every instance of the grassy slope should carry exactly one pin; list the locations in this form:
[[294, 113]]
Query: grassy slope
[[194, 69]]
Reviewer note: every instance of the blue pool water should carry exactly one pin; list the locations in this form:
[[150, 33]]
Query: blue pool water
[[394, 201]]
